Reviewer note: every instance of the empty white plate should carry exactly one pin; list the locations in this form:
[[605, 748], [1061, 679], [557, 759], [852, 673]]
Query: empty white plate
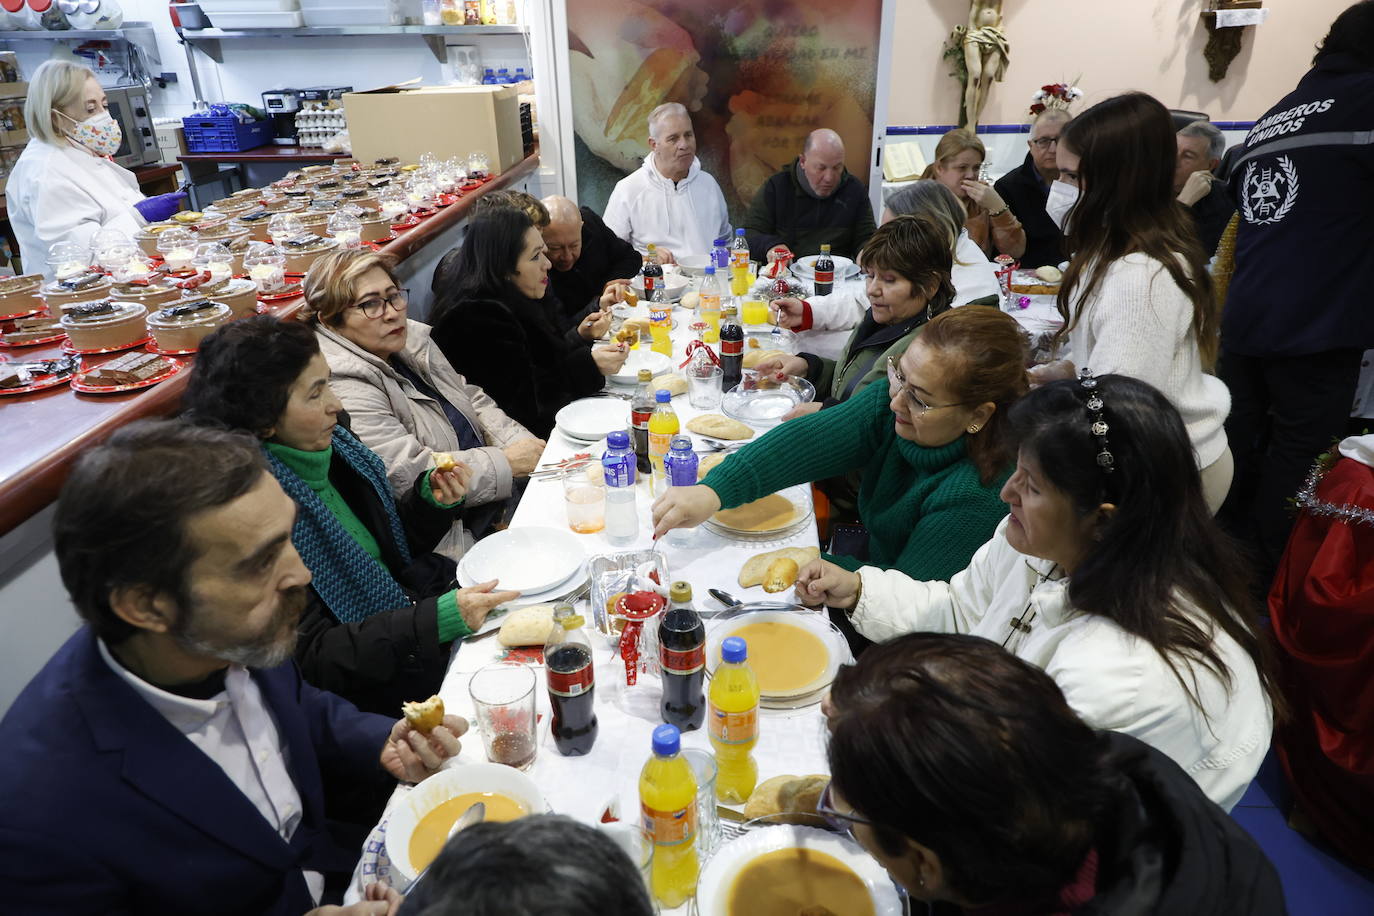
[[643, 358], [527, 559], [592, 419]]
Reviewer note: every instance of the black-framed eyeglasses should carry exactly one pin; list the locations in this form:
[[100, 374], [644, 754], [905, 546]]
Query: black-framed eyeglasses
[[839, 821], [1045, 142], [897, 382], [375, 306]]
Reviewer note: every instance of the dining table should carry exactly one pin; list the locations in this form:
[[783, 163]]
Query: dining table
[[603, 784]]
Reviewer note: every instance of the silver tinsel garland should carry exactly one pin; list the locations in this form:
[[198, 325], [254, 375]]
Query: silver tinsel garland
[[1307, 500]]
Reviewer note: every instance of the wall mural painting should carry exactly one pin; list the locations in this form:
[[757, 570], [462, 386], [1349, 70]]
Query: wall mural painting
[[757, 76]]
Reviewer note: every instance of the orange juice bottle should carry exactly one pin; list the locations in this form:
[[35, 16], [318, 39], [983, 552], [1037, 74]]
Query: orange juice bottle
[[732, 720], [739, 265], [660, 327], [663, 426], [668, 809]]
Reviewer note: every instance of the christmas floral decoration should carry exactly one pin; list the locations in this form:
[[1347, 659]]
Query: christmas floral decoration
[[1055, 95]]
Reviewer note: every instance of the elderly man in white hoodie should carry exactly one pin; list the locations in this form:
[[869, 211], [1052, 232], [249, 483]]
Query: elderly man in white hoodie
[[670, 201]]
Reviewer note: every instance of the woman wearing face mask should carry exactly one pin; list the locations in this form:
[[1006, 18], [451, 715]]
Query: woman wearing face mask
[[1110, 574], [1136, 298], [494, 326], [65, 187]]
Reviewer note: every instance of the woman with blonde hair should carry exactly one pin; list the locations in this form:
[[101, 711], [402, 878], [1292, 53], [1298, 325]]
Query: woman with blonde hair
[[65, 186], [991, 224], [404, 400]]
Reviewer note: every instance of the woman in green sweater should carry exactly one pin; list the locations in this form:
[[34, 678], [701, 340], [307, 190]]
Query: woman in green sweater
[[382, 610], [930, 447]]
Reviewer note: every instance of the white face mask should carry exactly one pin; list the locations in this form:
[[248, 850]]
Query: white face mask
[[1062, 198]]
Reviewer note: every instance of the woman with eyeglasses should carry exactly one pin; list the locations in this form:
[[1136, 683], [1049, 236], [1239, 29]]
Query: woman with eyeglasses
[[404, 399], [382, 609], [962, 770], [930, 447], [1136, 298], [1110, 574], [496, 324]]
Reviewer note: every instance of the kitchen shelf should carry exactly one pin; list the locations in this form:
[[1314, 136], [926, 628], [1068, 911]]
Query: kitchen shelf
[[208, 40], [137, 33]]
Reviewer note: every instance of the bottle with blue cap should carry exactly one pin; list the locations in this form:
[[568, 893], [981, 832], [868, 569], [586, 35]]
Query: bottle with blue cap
[[618, 465], [732, 721], [668, 812], [680, 470]]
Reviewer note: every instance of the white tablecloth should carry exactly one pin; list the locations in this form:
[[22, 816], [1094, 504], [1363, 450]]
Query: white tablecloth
[[790, 741]]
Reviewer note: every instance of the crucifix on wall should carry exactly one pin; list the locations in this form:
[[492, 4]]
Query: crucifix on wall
[[980, 52]]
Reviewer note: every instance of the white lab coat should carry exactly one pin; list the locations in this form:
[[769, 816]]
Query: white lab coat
[[686, 217], [61, 193], [1109, 677]]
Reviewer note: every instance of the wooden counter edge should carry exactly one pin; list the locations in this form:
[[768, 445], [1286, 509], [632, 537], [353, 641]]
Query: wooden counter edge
[[30, 491]]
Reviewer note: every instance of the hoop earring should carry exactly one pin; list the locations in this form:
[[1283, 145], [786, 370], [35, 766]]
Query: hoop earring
[[974, 428]]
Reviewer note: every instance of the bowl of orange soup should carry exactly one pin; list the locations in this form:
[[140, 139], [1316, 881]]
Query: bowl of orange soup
[[418, 827], [795, 652]]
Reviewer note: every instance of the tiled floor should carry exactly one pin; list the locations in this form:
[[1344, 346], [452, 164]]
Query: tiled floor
[[1315, 881]]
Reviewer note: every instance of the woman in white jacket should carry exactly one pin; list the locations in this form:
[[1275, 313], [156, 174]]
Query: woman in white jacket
[[1110, 574], [973, 276], [65, 187]]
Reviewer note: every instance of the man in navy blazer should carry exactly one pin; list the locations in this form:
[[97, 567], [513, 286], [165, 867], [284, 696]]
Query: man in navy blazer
[[169, 759]]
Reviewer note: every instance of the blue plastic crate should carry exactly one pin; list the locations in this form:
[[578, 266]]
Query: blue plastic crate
[[224, 134]]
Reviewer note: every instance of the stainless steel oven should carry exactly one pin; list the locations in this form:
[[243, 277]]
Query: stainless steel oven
[[129, 106]]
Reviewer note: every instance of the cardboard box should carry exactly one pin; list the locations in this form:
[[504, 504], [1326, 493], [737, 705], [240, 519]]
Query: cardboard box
[[14, 90], [445, 120]]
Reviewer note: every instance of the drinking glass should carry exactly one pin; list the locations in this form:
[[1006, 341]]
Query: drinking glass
[[638, 844], [703, 388], [754, 312], [503, 701], [585, 500], [703, 766]]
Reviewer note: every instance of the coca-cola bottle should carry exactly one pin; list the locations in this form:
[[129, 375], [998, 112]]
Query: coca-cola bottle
[[652, 275], [682, 656], [731, 349], [572, 688], [825, 272], [641, 408]]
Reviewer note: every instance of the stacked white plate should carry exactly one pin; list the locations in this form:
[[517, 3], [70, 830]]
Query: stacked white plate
[[540, 563], [590, 420], [805, 268]]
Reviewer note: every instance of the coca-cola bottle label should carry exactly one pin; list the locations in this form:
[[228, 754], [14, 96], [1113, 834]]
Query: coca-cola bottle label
[[650, 282], [731, 347], [640, 418], [669, 828], [825, 276], [685, 661], [733, 727], [571, 683]]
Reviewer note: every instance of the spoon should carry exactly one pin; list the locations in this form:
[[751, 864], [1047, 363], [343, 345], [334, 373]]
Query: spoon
[[473, 815]]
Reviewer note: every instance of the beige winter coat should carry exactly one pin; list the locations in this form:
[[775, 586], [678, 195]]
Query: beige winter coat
[[404, 426]]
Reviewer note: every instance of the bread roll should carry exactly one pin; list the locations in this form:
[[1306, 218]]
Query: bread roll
[[764, 801], [753, 357], [690, 300], [719, 427], [785, 795], [672, 383], [707, 462], [1049, 273], [755, 570], [443, 461], [424, 715], [529, 626], [780, 575]]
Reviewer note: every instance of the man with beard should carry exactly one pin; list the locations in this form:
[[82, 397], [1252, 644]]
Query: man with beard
[[169, 758]]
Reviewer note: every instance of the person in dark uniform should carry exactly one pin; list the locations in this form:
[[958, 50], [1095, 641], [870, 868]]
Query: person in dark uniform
[[1026, 188], [1297, 317]]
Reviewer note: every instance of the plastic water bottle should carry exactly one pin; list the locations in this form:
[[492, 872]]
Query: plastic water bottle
[[618, 462], [503, 75], [720, 255], [520, 75], [489, 77], [680, 470]]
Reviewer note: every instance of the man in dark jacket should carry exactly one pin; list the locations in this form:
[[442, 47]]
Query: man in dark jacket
[[1026, 188], [169, 758], [812, 202], [996, 798], [1200, 148], [1297, 317], [586, 257]]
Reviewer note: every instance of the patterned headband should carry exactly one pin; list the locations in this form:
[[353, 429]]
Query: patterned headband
[[1099, 425]]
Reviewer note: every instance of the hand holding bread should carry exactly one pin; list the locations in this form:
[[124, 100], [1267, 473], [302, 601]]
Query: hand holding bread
[[776, 570], [411, 753]]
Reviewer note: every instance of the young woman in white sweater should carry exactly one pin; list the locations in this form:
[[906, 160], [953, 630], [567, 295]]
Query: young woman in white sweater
[[1136, 298], [1110, 574]]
